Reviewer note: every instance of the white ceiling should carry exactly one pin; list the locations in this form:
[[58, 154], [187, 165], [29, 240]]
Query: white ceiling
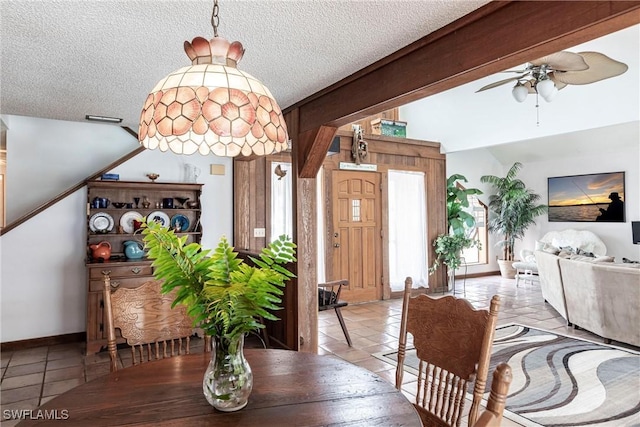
[[63, 59], [461, 119]]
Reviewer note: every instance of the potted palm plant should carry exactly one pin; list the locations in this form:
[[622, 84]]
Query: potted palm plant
[[226, 297], [448, 247], [514, 208]]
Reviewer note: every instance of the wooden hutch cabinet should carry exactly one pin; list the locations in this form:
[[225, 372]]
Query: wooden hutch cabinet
[[108, 222]]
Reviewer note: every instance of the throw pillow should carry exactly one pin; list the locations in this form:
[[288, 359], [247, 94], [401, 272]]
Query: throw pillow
[[604, 258], [565, 254], [550, 249], [540, 245], [585, 253]]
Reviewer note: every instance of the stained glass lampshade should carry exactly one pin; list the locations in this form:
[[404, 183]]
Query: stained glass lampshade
[[212, 107]]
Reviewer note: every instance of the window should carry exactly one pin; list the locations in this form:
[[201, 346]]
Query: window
[[479, 232], [407, 229], [281, 201], [355, 210]]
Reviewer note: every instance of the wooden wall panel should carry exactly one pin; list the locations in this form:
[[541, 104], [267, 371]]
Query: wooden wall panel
[[251, 179], [241, 205]]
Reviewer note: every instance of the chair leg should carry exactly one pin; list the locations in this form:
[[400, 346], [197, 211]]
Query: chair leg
[[343, 325]]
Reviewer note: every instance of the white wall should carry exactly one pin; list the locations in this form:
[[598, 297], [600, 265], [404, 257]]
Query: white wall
[[61, 154], [217, 193], [43, 279], [473, 164], [616, 236]]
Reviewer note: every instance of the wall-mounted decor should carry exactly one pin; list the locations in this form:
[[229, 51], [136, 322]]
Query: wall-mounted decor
[[586, 198]]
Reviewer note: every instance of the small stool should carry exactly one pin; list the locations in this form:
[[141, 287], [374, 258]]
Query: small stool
[[526, 271]]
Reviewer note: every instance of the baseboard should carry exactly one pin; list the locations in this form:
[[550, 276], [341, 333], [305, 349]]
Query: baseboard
[[43, 341], [484, 274]]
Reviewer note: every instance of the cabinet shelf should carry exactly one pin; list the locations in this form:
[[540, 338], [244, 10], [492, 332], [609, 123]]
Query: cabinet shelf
[[129, 272], [138, 236], [141, 210]]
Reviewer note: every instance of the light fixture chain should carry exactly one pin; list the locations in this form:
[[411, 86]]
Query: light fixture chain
[[215, 21]]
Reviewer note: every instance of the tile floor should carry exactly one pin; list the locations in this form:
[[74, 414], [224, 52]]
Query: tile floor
[[32, 377]]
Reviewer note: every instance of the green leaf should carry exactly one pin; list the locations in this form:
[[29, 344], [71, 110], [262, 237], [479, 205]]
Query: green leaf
[[224, 295]]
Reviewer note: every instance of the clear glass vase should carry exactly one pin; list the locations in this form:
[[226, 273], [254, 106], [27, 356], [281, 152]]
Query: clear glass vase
[[228, 379]]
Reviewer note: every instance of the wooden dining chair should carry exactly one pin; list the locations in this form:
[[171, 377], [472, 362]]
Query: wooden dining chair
[[329, 297], [492, 415], [146, 321], [453, 344]]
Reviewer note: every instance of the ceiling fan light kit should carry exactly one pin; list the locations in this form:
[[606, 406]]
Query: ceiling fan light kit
[[546, 75], [520, 92], [211, 107]]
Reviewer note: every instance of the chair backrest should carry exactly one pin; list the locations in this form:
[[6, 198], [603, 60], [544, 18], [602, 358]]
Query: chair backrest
[[492, 416], [146, 321], [453, 344]]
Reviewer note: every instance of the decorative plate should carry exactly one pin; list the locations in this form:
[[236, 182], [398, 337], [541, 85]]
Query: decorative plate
[[159, 216], [180, 221], [126, 220], [101, 222]]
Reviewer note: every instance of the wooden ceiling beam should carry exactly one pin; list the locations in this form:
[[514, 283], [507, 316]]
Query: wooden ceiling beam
[[313, 147], [497, 36]]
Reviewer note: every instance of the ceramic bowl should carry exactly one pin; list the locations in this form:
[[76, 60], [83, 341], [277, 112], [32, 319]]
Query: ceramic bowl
[[119, 205]]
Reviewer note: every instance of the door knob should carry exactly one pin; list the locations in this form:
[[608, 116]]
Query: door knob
[[336, 245]]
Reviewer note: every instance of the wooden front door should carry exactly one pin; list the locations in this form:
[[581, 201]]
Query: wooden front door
[[357, 234]]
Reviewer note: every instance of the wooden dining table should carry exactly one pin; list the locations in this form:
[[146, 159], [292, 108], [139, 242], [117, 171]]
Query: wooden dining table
[[289, 389]]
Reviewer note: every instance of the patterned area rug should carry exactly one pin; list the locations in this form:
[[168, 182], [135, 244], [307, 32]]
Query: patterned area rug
[[562, 381]]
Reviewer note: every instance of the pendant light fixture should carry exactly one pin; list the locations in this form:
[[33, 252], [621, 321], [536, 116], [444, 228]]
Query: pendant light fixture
[[211, 106]]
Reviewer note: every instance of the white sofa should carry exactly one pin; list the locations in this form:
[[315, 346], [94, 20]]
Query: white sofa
[[591, 292], [551, 282], [603, 298]]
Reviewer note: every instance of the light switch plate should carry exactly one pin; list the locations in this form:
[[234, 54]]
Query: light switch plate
[[259, 232]]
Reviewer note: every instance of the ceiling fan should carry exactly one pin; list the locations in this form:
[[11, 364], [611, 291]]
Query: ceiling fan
[[546, 75]]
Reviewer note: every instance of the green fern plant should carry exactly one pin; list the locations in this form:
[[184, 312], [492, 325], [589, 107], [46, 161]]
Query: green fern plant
[[224, 295]]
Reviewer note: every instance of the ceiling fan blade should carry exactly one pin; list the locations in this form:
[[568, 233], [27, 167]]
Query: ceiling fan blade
[[500, 83], [565, 61], [515, 71], [600, 67], [559, 84]]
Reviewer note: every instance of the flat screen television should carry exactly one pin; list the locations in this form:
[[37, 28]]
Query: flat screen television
[[587, 198], [635, 231]]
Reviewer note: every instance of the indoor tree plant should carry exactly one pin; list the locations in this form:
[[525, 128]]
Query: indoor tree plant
[[226, 297], [514, 208], [448, 246]]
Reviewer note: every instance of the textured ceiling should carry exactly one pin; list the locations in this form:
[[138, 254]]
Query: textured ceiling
[[64, 59]]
